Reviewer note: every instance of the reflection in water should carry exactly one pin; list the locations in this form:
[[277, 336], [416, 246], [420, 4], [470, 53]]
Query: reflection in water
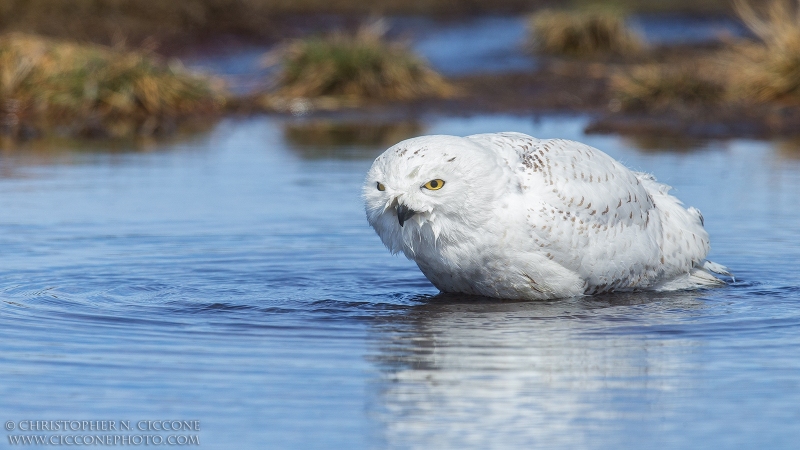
[[788, 149], [454, 368], [60, 150], [319, 138], [655, 143], [52, 145]]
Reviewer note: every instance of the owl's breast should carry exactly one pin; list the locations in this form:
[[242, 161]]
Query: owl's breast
[[495, 268]]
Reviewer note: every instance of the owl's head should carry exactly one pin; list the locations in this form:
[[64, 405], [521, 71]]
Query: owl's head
[[430, 189]]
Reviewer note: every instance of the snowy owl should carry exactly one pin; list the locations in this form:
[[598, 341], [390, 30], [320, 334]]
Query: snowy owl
[[510, 216]]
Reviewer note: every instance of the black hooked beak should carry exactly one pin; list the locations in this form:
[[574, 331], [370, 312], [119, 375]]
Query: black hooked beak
[[404, 213]]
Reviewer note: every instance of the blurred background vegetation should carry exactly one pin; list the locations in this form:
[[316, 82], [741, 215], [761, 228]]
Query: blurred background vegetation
[[92, 90], [111, 68], [362, 65], [136, 21]]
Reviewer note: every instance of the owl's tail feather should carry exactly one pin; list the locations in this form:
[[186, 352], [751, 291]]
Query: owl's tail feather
[[703, 274], [699, 277], [719, 269]]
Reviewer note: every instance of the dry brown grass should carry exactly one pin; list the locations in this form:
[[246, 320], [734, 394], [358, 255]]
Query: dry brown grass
[[661, 86], [362, 66], [768, 70], [582, 33], [47, 85]]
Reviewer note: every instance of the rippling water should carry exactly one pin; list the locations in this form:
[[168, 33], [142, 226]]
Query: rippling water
[[233, 279]]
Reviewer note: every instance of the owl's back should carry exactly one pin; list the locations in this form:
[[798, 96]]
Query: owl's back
[[614, 228]]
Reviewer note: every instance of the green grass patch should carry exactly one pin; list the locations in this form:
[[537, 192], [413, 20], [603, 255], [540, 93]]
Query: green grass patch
[[360, 66], [48, 86]]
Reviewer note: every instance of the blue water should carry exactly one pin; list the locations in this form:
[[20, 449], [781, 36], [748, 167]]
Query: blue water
[[475, 45], [499, 43], [232, 279], [680, 29]]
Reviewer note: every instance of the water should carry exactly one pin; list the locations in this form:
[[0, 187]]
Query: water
[[232, 279], [680, 29], [498, 43], [477, 45]]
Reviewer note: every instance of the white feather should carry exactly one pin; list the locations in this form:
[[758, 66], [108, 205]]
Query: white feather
[[520, 217]]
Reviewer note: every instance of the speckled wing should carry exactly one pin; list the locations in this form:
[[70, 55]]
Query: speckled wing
[[596, 217]]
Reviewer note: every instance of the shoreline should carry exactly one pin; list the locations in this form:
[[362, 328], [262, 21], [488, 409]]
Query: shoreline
[[552, 91]]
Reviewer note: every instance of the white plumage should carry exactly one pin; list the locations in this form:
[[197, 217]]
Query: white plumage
[[507, 215]]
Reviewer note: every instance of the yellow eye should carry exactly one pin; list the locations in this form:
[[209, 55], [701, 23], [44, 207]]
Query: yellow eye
[[381, 187], [434, 185]]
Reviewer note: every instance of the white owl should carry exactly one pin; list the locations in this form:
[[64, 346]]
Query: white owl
[[507, 215]]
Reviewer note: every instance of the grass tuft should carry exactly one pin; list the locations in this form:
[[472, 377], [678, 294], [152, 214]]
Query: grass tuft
[[768, 70], [95, 90], [661, 86], [582, 33], [362, 66]]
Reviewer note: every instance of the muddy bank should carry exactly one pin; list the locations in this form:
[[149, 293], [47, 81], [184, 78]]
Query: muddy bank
[[546, 92], [584, 88], [741, 121]]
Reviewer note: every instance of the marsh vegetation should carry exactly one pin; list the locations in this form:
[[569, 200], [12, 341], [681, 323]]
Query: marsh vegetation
[[49, 86], [588, 60], [355, 67], [661, 86], [741, 71], [583, 33], [768, 69]]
